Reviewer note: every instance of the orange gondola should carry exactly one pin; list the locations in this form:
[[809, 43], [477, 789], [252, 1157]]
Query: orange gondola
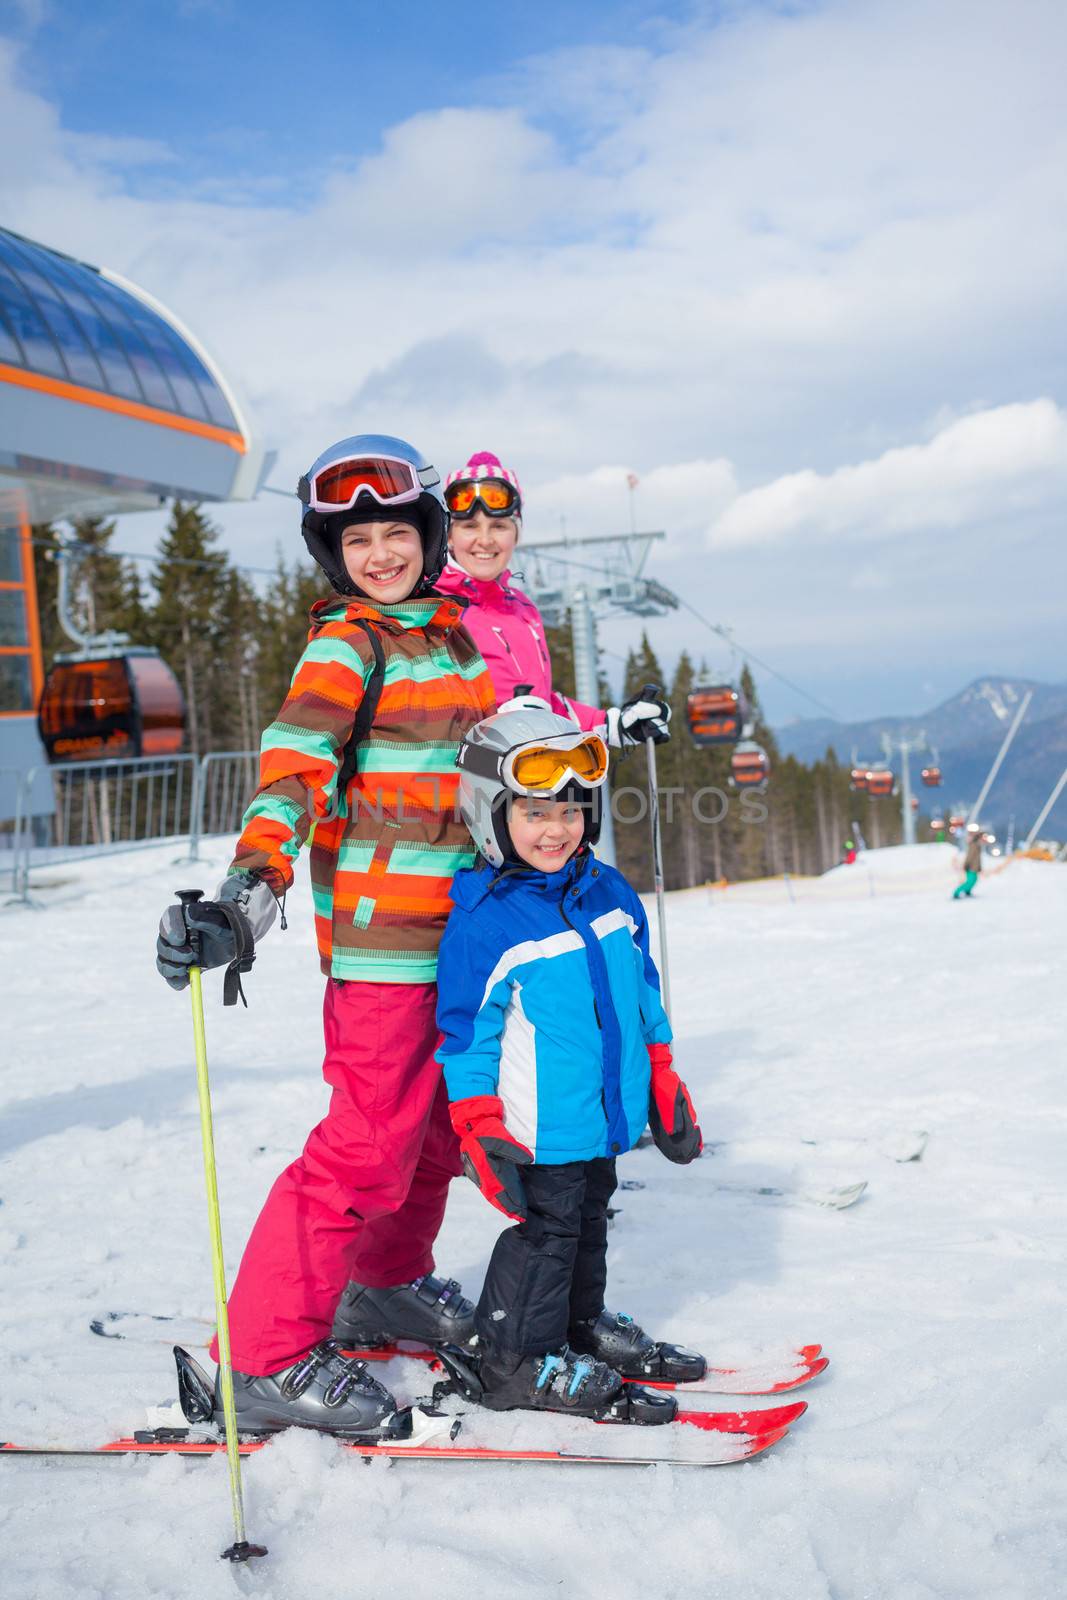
[[749, 766], [125, 704], [716, 715], [857, 781], [931, 776], [880, 782]]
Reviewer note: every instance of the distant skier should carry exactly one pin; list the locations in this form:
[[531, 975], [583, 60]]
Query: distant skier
[[850, 853], [556, 1054], [972, 861], [345, 1238]]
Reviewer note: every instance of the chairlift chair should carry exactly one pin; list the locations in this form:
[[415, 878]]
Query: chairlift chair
[[749, 766], [716, 714], [880, 782], [126, 702]]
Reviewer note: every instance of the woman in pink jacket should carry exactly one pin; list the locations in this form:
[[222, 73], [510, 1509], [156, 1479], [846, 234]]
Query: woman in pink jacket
[[485, 502]]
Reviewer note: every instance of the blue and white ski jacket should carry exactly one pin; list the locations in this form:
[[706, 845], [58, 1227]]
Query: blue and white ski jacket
[[548, 997]]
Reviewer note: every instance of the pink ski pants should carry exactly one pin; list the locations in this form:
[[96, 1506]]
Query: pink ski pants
[[366, 1198]]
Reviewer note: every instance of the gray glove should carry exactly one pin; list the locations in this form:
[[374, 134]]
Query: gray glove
[[216, 933]]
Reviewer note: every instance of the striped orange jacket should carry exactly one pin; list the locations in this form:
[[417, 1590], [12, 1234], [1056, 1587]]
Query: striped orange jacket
[[383, 855]]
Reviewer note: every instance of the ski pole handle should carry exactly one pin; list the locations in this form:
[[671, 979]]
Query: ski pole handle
[[189, 897]]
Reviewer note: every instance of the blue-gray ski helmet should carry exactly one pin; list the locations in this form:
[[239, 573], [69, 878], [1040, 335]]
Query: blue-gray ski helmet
[[362, 475]]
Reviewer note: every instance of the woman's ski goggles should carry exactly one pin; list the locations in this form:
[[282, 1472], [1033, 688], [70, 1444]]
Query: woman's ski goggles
[[491, 495], [543, 766], [337, 486]]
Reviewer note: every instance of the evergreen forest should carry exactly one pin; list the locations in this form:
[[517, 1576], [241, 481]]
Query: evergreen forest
[[233, 644]]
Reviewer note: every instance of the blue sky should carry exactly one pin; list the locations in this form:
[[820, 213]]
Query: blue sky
[[278, 90], [801, 268]]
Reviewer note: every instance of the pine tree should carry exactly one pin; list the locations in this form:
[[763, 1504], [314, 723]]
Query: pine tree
[[46, 579], [281, 622], [629, 780], [106, 591], [191, 584]]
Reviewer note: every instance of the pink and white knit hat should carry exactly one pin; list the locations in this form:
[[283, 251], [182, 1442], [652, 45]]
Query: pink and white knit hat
[[484, 464]]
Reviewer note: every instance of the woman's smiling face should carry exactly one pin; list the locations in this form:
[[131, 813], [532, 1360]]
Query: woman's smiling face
[[483, 545], [383, 559]]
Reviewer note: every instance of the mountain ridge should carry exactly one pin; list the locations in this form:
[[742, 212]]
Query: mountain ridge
[[966, 731]]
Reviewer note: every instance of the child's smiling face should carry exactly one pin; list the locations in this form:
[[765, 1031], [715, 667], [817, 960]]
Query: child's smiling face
[[384, 559], [545, 833]]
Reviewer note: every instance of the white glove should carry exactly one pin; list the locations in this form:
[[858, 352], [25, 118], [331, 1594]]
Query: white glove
[[637, 721]]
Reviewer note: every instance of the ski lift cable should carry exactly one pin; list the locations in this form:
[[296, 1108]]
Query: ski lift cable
[[737, 644], [725, 634], [82, 550]]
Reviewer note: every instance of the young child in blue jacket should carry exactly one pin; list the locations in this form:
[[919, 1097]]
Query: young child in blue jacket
[[556, 1053]]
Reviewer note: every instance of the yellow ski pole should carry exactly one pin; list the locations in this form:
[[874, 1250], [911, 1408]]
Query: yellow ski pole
[[241, 1550]]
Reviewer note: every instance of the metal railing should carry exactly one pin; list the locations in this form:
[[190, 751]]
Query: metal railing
[[226, 781], [112, 806]]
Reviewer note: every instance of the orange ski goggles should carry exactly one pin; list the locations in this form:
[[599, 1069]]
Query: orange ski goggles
[[542, 766], [547, 766], [492, 495]]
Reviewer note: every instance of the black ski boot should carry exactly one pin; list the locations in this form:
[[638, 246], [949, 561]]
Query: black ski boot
[[617, 1339], [563, 1381], [427, 1309], [323, 1390]]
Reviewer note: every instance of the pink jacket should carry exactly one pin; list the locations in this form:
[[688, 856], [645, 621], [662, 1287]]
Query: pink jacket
[[507, 628]]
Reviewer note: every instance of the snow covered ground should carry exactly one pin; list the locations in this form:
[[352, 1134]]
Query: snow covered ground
[[931, 1462]]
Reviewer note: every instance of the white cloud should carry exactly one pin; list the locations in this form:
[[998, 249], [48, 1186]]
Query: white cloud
[[977, 470], [712, 253]]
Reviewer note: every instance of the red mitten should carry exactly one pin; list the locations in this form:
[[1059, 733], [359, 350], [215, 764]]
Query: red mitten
[[491, 1157], [670, 1111]]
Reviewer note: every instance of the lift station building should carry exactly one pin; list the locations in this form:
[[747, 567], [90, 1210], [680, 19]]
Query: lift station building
[[108, 404]]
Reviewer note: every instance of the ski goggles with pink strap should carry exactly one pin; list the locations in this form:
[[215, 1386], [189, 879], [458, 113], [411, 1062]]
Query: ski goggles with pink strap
[[336, 486]]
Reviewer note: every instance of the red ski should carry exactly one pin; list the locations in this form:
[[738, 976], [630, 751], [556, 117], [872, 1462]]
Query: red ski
[[711, 1449]]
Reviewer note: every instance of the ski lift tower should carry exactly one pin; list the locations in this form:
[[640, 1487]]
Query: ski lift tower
[[593, 578], [905, 748]]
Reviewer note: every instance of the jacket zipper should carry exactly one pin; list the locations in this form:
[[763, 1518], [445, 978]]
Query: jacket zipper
[[539, 643]]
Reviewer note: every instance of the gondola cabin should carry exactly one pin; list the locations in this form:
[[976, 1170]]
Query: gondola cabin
[[880, 782], [955, 824], [931, 776], [857, 780], [749, 766], [126, 704], [715, 715]]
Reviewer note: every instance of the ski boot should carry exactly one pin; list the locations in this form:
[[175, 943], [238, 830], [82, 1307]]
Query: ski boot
[[617, 1339], [323, 1390], [427, 1309], [578, 1385]]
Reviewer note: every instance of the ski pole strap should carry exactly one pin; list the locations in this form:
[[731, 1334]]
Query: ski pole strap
[[246, 953]]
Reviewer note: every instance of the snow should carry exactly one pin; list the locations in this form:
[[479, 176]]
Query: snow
[[931, 1461]]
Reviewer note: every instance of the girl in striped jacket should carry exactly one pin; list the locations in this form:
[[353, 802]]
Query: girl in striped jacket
[[361, 758]]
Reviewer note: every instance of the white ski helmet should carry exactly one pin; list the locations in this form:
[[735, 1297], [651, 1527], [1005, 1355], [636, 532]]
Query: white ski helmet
[[487, 758]]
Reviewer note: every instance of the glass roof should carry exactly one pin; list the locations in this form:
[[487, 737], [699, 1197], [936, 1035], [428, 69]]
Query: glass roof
[[61, 318]]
